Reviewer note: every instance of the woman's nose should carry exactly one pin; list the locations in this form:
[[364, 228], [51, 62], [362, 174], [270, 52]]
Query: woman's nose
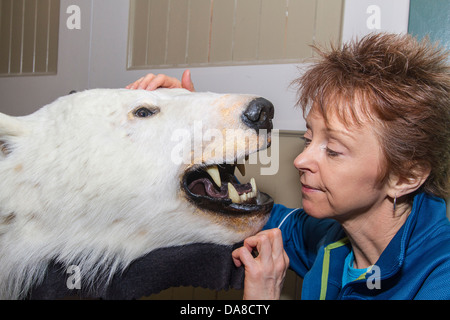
[[306, 161]]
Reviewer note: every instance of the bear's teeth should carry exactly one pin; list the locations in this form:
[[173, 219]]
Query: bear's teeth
[[236, 198], [254, 189], [233, 194], [215, 175], [247, 196]]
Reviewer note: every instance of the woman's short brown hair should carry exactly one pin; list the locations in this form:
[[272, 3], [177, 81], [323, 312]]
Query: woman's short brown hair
[[399, 83]]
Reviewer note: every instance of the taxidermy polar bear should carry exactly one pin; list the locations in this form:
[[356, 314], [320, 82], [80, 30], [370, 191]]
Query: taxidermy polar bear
[[99, 178]]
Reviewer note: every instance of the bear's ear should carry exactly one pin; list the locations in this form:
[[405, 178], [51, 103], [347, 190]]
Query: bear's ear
[[11, 126]]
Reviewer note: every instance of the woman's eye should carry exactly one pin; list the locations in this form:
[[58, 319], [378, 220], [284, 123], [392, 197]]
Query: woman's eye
[[332, 153], [307, 142], [145, 112]]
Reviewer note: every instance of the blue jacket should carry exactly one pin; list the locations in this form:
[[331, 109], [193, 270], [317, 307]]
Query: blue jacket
[[415, 264]]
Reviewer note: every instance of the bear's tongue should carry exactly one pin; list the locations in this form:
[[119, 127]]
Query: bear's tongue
[[238, 193]]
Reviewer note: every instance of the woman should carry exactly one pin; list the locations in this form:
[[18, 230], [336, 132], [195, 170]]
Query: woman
[[374, 173]]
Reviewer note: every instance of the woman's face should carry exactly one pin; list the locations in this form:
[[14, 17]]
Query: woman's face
[[339, 169]]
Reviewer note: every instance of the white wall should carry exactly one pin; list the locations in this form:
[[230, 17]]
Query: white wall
[[364, 16]]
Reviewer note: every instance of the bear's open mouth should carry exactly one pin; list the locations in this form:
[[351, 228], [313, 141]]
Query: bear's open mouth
[[215, 188]]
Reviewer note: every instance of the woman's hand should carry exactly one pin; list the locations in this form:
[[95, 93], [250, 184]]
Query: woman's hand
[[264, 275], [151, 82]]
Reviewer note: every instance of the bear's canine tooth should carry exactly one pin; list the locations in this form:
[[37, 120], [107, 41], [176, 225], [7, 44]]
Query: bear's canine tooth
[[254, 189], [241, 168], [215, 175], [233, 194]]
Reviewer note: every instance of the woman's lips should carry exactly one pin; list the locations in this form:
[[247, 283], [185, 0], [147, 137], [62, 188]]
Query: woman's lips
[[308, 189]]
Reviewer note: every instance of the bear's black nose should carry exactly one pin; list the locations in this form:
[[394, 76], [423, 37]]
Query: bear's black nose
[[259, 114]]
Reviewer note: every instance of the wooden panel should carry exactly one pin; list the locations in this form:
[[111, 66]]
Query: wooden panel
[[273, 29], [53, 36], [157, 33], [29, 40], [16, 34], [231, 32], [246, 31], [177, 35], [5, 35], [29, 32], [138, 33], [328, 21], [222, 31], [199, 31], [300, 28], [41, 35]]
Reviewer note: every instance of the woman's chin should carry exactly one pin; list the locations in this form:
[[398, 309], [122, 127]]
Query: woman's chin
[[314, 209]]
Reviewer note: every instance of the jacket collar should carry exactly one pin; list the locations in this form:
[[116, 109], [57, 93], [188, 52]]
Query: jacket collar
[[426, 211]]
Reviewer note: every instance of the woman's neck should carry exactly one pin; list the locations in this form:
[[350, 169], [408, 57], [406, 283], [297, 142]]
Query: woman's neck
[[371, 232]]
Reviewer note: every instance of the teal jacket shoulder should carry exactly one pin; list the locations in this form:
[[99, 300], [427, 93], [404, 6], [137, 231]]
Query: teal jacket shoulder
[[415, 264]]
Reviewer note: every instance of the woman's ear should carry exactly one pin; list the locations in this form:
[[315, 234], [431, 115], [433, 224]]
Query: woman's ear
[[401, 186]]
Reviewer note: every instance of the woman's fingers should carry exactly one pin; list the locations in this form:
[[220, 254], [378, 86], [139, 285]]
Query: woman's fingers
[[162, 81], [263, 246], [267, 243], [135, 84], [242, 256], [186, 81], [265, 273], [152, 82]]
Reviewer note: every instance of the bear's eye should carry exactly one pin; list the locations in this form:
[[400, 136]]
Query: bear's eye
[[145, 112]]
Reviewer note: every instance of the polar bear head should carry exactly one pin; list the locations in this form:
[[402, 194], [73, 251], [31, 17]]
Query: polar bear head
[[102, 177]]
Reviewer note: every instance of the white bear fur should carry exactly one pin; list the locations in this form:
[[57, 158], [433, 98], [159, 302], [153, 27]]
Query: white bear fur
[[84, 182]]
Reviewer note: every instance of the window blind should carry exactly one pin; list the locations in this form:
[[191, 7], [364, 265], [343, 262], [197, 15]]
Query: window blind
[[177, 33], [29, 31]]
